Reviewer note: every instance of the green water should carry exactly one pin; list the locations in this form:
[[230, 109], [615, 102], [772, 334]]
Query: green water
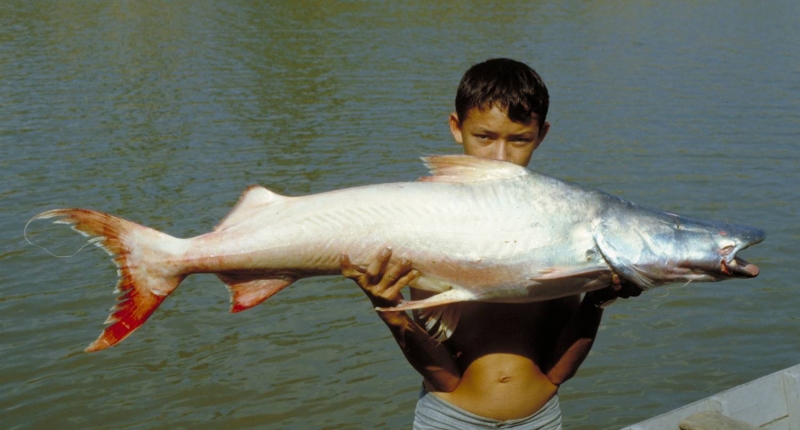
[[164, 111]]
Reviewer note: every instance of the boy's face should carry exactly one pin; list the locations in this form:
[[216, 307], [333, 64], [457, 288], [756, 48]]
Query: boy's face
[[490, 133]]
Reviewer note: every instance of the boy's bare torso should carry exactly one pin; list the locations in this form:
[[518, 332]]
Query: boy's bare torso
[[504, 351]]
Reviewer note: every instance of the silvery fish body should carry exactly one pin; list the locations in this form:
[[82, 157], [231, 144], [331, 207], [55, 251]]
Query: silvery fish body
[[476, 229]]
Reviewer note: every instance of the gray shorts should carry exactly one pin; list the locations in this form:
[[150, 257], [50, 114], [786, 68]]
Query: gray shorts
[[434, 413]]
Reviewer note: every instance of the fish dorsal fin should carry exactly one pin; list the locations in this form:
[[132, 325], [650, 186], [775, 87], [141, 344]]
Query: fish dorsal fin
[[253, 199], [467, 168]]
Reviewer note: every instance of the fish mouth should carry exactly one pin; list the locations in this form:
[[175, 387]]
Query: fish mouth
[[739, 267], [733, 265]]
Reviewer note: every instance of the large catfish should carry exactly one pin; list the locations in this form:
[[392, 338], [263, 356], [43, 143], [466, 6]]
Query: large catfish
[[476, 229]]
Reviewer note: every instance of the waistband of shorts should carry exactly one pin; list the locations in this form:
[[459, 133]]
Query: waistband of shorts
[[549, 416]]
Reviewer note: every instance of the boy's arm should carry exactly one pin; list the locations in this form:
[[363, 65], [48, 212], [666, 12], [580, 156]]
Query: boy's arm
[[578, 335], [382, 285]]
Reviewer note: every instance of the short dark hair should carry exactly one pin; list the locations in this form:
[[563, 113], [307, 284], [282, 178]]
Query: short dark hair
[[507, 84]]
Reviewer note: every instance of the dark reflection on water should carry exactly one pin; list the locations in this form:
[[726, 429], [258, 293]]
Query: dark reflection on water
[[163, 112]]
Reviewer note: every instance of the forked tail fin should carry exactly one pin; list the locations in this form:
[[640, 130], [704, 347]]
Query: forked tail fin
[[146, 269]]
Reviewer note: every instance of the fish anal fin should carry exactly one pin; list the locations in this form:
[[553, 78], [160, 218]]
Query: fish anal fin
[[467, 168], [247, 292], [253, 199]]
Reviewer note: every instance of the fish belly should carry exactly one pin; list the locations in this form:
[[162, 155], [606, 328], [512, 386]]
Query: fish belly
[[492, 240]]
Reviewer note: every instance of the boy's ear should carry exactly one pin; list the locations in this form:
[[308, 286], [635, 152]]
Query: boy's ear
[[455, 128], [543, 132]]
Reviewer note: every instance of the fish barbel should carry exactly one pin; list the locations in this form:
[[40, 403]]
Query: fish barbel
[[476, 230]]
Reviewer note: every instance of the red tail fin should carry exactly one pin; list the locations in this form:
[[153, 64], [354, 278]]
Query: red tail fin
[[142, 254]]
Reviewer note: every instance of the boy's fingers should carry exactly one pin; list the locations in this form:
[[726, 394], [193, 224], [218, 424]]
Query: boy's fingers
[[378, 265], [615, 282], [630, 290], [347, 267], [376, 280], [395, 272], [394, 290]]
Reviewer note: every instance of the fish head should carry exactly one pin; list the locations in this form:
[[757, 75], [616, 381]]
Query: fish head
[[657, 248], [709, 251]]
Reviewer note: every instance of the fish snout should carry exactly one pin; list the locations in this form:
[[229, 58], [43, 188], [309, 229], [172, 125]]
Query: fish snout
[[731, 263], [751, 236]]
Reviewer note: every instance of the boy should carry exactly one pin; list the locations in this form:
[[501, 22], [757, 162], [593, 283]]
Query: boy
[[504, 363]]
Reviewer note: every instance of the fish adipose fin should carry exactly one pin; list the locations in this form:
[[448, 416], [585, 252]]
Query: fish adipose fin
[[251, 201], [467, 168], [247, 291], [141, 255]]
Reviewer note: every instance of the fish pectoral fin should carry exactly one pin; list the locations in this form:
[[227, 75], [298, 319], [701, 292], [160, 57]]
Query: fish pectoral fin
[[253, 199], [441, 321], [619, 263], [467, 168], [247, 291], [555, 273], [447, 297]]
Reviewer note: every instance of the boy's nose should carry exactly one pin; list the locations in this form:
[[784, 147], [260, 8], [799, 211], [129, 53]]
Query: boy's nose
[[500, 150]]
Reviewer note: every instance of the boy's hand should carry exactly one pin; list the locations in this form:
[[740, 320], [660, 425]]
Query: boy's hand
[[618, 288], [624, 289], [380, 281]]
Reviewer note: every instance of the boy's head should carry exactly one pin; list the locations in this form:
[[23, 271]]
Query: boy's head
[[501, 107], [507, 84]]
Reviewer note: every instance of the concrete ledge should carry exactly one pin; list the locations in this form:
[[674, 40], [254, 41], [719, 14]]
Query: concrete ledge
[[771, 402], [713, 420]]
